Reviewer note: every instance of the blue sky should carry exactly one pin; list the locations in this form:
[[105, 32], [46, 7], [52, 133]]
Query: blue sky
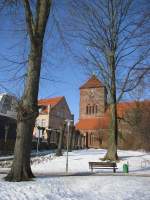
[[65, 74], [61, 75]]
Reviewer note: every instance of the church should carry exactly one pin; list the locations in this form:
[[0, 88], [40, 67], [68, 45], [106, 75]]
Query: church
[[94, 118]]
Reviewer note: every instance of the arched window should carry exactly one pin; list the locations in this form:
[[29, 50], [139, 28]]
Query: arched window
[[96, 109], [91, 109]]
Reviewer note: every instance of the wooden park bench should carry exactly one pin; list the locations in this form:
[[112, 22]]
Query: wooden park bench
[[103, 165]]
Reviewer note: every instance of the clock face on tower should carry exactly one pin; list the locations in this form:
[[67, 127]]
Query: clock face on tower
[[92, 92]]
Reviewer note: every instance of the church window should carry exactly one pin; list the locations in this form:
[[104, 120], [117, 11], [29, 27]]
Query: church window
[[91, 109], [96, 109]]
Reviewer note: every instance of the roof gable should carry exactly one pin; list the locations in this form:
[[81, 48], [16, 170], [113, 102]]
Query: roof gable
[[93, 82], [50, 101]]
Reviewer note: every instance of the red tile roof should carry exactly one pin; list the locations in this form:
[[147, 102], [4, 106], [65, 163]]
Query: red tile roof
[[51, 101], [103, 122], [93, 123], [123, 107], [93, 82]]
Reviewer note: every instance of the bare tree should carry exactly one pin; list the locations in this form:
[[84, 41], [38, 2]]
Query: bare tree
[[116, 36], [137, 118], [36, 15]]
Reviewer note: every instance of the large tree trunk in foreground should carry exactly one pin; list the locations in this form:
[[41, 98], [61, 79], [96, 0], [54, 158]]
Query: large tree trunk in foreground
[[21, 169], [27, 109], [27, 113]]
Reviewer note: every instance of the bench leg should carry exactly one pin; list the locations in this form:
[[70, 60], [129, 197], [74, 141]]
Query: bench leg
[[91, 168], [114, 170]]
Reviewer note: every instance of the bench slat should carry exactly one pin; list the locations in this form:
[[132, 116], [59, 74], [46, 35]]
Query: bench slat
[[105, 164], [105, 167]]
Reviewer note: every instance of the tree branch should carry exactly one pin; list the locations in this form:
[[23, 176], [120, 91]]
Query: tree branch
[[42, 14], [29, 20]]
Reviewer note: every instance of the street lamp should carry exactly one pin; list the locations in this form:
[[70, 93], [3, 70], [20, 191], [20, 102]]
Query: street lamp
[[68, 121]]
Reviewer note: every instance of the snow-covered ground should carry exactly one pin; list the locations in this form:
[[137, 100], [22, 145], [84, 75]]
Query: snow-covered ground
[[52, 183]]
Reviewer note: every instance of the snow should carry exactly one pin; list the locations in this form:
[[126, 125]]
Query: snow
[[52, 182], [78, 162], [33, 154]]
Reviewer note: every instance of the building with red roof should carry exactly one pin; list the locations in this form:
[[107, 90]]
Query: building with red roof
[[52, 114], [94, 118]]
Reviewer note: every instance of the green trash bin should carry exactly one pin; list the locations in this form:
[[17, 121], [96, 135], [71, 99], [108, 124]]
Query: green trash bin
[[125, 168]]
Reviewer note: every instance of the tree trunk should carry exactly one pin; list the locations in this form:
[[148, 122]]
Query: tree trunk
[[112, 146], [113, 133], [73, 140], [78, 138], [60, 143], [27, 113]]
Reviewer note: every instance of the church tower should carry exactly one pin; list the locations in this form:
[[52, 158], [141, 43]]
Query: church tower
[[93, 99]]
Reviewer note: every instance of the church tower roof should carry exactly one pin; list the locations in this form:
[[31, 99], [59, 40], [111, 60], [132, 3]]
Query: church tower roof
[[93, 82]]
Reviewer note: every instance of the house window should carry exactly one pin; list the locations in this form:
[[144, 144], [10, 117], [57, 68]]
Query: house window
[[43, 123]]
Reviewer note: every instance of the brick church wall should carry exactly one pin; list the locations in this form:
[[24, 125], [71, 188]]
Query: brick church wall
[[92, 96]]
